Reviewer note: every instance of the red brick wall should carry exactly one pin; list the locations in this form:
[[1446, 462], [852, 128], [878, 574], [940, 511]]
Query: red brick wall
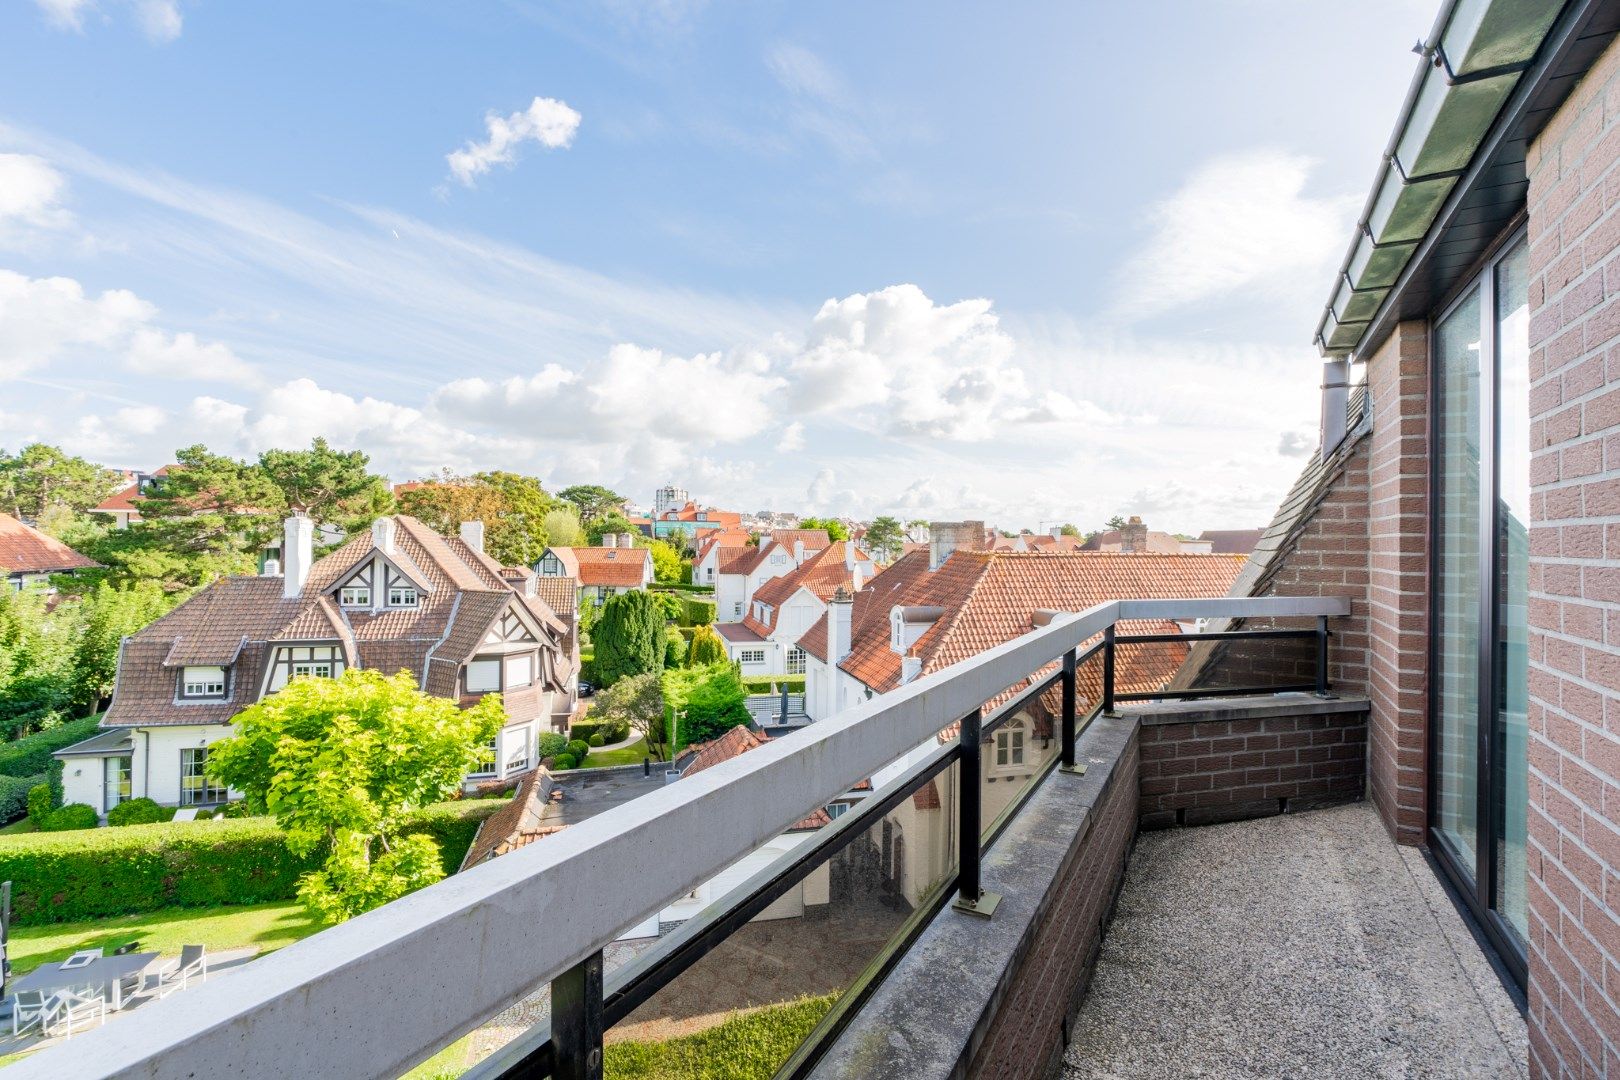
[[1574, 857], [1397, 594], [1221, 770]]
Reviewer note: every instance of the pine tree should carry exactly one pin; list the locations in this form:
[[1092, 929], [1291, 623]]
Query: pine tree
[[706, 648], [629, 637]]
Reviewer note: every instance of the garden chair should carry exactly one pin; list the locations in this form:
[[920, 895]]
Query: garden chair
[[69, 1008], [193, 964], [29, 1007]]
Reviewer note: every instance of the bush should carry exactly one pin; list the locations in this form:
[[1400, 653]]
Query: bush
[[72, 816], [453, 825], [583, 730], [595, 740], [551, 744], [41, 801], [31, 755], [772, 684], [14, 792], [141, 811], [579, 749], [674, 648], [237, 809], [698, 612], [563, 762], [715, 705]]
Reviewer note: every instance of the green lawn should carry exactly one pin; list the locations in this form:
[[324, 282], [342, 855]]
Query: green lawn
[[747, 1046], [269, 926], [20, 825], [628, 755]]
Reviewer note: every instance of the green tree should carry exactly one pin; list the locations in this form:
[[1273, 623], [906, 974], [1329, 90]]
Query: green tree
[[591, 501], [109, 613], [834, 528], [208, 503], [674, 648], [340, 763], [706, 648], [667, 562], [1069, 530], [628, 636], [715, 703], [39, 477], [36, 655], [637, 701], [1116, 522], [518, 537], [329, 485], [610, 522], [885, 538], [563, 528]]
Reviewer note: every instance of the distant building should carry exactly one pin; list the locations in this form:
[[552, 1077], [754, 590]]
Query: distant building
[[1137, 537], [765, 642], [669, 497], [123, 506], [28, 557], [618, 566], [737, 572]]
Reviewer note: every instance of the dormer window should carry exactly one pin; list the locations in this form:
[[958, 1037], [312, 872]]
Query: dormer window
[[896, 631], [202, 682], [355, 596], [402, 596], [551, 566]]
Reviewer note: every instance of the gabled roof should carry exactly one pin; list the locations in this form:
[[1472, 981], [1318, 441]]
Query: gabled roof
[[516, 824], [24, 550], [736, 560], [607, 567], [126, 499], [823, 574], [734, 743], [1232, 541]]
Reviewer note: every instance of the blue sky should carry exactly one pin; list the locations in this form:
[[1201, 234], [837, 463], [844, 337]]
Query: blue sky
[[1031, 262]]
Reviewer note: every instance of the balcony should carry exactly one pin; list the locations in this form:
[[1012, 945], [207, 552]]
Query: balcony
[[877, 943]]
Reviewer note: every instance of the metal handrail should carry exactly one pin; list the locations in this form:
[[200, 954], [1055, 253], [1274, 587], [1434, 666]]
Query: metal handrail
[[446, 954]]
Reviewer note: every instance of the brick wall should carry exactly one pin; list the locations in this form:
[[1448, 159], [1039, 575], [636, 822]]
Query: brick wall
[[1397, 596], [1208, 770], [1574, 856]]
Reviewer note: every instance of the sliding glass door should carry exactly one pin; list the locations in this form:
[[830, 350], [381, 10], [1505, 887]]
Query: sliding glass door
[[1479, 571]]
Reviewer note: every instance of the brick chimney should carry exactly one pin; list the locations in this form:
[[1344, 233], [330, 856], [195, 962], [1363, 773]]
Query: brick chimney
[[1133, 537], [472, 534], [298, 554], [840, 610], [945, 537]]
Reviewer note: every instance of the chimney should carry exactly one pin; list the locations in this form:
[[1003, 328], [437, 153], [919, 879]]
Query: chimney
[[857, 577], [627, 540], [297, 554], [1335, 403], [945, 537], [849, 555], [798, 551], [382, 535], [910, 668], [1133, 537], [839, 613], [272, 568], [472, 534], [610, 540]]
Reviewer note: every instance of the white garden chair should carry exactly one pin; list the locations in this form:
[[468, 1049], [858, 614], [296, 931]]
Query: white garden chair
[[67, 1009]]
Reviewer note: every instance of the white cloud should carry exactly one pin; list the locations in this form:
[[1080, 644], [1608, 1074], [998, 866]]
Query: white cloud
[[64, 14], [803, 72], [47, 320], [30, 192], [792, 440], [1240, 222], [116, 434], [159, 20], [1300, 442], [546, 121]]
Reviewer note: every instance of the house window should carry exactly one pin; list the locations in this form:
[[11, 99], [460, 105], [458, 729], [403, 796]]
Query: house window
[[321, 669], [736, 610], [1010, 745], [519, 670], [601, 594], [751, 656], [837, 810], [319, 661], [551, 566], [483, 676], [118, 787], [203, 682], [485, 765], [196, 787], [401, 596], [355, 596], [795, 661], [517, 750], [778, 559]]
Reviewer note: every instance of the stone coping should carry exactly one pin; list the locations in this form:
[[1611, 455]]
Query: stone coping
[[1257, 707]]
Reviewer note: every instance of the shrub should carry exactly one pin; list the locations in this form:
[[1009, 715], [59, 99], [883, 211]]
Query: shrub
[[616, 730], [237, 809], [629, 638], [72, 816], [584, 730], [31, 755], [563, 762], [551, 744], [698, 612], [453, 825], [772, 684], [674, 648], [715, 705], [141, 811], [14, 792], [579, 749], [41, 801], [595, 740]]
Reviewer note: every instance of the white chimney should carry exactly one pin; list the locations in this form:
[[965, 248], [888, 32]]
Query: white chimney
[[945, 537], [272, 568], [857, 577], [849, 555], [798, 551], [297, 554], [839, 613], [910, 668], [1335, 402], [382, 535], [627, 540], [610, 540], [472, 534]]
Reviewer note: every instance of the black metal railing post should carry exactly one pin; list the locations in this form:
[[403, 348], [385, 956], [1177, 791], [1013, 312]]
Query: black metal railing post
[[1070, 691], [970, 894], [1108, 672], [576, 1020], [1322, 688]]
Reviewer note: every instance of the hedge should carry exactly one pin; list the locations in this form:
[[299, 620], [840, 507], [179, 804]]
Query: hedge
[[772, 684], [611, 732], [698, 612], [31, 754], [96, 873], [14, 795], [68, 818]]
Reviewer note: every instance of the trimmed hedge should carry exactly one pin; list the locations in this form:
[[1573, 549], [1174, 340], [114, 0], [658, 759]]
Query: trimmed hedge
[[95, 873], [610, 732], [31, 755], [14, 795], [699, 612], [69, 818], [142, 811], [772, 684]]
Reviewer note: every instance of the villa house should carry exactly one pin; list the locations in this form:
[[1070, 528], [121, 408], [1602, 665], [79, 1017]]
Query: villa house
[[709, 549], [618, 566], [738, 573], [691, 519], [123, 505], [399, 597], [765, 642], [28, 557]]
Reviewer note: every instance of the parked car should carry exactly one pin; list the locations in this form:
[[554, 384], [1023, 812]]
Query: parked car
[[587, 689]]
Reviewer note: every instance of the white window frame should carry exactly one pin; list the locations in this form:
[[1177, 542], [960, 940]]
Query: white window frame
[[750, 656], [1011, 747], [519, 761], [795, 660], [551, 566], [403, 596], [118, 778], [354, 596], [482, 665], [488, 760], [194, 766], [196, 683], [320, 669], [736, 610]]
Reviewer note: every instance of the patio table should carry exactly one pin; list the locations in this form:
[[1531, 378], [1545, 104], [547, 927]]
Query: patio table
[[106, 971]]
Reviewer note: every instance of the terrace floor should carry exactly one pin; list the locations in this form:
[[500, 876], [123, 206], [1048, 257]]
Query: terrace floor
[[1307, 945]]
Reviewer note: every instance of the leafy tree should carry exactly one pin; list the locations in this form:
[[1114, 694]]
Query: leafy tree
[[39, 477], [212, 504], [710, 700], [667, 562], [885, 538], [518, 537], [674, 648], [157, 551], [340, 763], [563, 528], [610, 522], [1116, 522], [1069, 530], [681, 541], [110, 613], [329, 485], [629, 637], [591, 501], [706, 648], [917, 529], [835, 528], [637, 701], [36, 654]]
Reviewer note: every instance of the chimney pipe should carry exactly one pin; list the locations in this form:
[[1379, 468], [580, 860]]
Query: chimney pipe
[[382, 535], [839, 614], [472, 534], [798, 551], [945, 537], [849, 555], [1335, 403], [297, 554]]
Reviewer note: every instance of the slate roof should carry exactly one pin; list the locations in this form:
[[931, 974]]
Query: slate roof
[[734, 743], [25, 550], [234, 621]]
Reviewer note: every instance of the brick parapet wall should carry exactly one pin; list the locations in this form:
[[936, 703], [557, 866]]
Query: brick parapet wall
[[1214, 769], [1398, 584], [1574, 616]]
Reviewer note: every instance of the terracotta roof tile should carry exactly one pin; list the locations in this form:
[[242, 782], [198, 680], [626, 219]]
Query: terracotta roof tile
[[615, 568], [28, 551], [734, 743]]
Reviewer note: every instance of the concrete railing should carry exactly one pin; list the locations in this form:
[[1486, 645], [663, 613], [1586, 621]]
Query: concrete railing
[[375, 995]]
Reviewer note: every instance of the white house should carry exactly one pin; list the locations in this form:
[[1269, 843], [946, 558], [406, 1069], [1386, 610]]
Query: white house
[[618, 566], [765, 642], [740, 574]]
